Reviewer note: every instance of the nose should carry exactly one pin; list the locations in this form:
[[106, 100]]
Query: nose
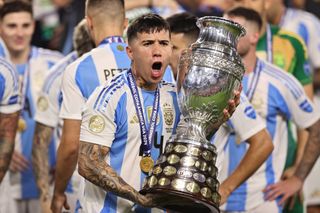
[[157, 48]]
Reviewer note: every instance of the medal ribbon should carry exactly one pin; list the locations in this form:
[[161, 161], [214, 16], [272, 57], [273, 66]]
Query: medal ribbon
[[24, 86], [255, 79], [269, 45], [146, 135]]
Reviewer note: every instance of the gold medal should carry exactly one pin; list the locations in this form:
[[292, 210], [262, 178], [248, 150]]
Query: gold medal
[[22, 125], [146, 164]]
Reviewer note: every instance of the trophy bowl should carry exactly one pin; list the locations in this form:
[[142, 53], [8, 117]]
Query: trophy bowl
[[185, 175]]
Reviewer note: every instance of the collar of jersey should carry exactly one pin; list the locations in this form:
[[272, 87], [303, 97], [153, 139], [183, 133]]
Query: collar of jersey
[[112, 39]]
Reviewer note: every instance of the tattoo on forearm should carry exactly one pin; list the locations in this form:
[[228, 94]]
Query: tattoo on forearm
[[8, 127], [311, 152], [93, 167], [40, 163]]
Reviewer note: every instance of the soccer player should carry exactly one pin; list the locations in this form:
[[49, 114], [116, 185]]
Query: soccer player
[[106, 22], [48, 122], [277, 97], [32, 64], [184, 32]]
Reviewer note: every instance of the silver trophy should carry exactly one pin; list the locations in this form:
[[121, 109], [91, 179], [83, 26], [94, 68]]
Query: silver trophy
[[185, 175]]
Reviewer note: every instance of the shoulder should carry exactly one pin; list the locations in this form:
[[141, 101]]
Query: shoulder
[[49, 55], [8, 71], [167, 86]]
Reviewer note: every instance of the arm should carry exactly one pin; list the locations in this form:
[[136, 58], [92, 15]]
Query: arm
[[40, 149], [93, 167], [67, 152], [290, 186], [260, 148], [8, 127]]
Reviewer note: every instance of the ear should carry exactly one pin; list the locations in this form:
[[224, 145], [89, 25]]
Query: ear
[[89, 23], [129, 52], [254, 38]]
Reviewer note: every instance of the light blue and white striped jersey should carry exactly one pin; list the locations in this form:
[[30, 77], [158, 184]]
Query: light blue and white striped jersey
[[168, 76], [89, 71], [307, 26], [31, 78], [9, 88], [277, 97], [48, 107], [113, 106], [245, 121], [3, 50]]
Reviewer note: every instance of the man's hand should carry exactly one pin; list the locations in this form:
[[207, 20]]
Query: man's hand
[[224, 193], [45, 204], [18, 162], [58, 202], [284, 188]]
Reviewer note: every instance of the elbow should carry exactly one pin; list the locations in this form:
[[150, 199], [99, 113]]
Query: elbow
[[268, 145]]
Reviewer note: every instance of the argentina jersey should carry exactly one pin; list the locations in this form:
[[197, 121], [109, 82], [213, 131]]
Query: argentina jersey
[[307, 26], [277, 97], [113, 106], [9, 88], [48, 106], [31, 77], [94, 68], [245, 122]]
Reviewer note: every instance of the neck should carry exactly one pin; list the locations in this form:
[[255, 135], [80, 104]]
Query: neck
[[264, 25], [142, 83], [20, 57], [249, 61], [280, 14], [102, 34]]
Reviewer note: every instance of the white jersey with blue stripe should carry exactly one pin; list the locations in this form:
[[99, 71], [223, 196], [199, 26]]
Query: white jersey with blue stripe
[[9, 88], [48, 106], [245, 121], [31, 77], [277, 97], [307, 26], [89, 71], [4, 51], [114, 107]]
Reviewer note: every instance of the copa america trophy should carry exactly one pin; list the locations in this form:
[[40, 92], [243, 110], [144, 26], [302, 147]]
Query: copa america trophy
[[185, 175]]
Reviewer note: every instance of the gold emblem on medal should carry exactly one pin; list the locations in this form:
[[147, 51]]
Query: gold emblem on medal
[[21, 125], [146, 164], [96, 124]]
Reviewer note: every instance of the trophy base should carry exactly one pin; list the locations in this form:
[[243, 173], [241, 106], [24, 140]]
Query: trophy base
[[184, 178], [180, 202]]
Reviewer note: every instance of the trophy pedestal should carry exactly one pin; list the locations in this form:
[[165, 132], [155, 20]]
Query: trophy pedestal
[[184, 178]]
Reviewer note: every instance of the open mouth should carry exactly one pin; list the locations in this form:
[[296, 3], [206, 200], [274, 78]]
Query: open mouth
[[156, 66]]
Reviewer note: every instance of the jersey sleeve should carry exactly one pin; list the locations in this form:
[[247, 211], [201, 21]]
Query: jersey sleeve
[[9, 89], [47, 111], [301, 70], [72, 98], [245, 121], [295, 104], [98, 124]]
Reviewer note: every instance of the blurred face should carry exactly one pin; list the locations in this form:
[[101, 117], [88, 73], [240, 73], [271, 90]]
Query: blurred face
[[179, 43], [16, 30], [248, 42], [150, 54], [257, 5], [273, 10]]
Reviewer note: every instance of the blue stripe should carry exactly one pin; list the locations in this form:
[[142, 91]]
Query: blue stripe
[[176, 109], [12, 70], [106, 90], [285, 79], [13, 99], [237, 200], [2, 87], [122, 60], [117, 150], [303, 32], [86, 77]]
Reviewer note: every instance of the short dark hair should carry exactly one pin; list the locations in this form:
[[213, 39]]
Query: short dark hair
[[147, 23], [101, 4], [248, 14], [15, 6], [185, 23]]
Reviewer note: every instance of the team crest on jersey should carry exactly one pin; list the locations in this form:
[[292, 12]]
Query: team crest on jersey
[[120, 48], [257, 103], [42, 103], [306, 106], [134, 119], [168, 114], [96, 124]]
